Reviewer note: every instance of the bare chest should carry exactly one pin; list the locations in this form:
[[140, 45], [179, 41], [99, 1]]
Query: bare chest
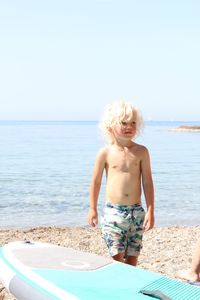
[[123, 161]]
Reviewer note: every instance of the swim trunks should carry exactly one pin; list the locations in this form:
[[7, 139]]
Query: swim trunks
[[122, 228]]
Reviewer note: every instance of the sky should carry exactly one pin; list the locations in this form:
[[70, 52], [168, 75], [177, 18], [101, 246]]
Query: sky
[[66, 60]]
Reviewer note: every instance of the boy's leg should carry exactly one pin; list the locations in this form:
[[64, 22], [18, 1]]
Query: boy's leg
[[134, 241], [196, 260], [193, 274], [114, 231], [131, 260], [119, 257]]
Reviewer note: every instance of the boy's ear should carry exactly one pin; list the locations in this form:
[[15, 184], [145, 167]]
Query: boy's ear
[[109, 129]]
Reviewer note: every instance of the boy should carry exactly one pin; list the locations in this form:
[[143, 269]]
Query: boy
[[127, 166]]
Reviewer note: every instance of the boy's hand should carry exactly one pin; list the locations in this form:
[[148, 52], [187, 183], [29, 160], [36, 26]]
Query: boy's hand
[[93, 217], [148, 221]]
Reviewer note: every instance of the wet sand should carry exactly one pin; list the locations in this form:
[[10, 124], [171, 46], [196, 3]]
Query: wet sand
[[165, 250]]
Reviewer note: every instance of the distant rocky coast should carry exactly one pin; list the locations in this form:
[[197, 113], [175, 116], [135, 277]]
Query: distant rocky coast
[[192, 128]]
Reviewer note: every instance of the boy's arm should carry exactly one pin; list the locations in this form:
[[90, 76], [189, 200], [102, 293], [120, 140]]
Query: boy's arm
[[95, 186], [148, 189]]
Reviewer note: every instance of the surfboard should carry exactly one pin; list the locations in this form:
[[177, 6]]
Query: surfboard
[[41, 271]]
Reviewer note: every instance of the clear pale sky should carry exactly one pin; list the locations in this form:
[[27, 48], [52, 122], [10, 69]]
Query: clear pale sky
[[66, 59]]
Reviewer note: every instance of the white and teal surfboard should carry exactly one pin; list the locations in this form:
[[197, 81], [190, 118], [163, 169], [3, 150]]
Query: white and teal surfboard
[[41, 271]]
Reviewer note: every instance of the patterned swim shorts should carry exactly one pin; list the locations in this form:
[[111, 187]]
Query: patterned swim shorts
[[122, 228]]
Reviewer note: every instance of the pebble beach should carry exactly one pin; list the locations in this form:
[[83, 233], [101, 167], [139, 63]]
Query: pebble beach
[[165, 250]]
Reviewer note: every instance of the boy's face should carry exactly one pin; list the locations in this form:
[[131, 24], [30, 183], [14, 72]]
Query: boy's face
[[126, 129]]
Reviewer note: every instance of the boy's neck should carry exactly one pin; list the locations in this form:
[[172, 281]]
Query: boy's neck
[[123, 143]]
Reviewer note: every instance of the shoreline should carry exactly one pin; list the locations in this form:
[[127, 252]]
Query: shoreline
[[166, 250]]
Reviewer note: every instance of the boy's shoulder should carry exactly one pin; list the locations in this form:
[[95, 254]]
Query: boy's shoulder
[[140, 147], [103, 151], [141, 150]]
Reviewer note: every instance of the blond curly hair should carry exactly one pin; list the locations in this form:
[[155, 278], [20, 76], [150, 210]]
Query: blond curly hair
[[118, 112]]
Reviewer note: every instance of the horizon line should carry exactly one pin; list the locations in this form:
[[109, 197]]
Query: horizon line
[[55, 120]]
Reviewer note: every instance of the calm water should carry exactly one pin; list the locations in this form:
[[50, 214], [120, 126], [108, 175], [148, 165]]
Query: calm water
[[46, 169]]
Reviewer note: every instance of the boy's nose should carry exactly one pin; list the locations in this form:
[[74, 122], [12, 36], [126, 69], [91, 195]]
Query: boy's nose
[[130, 125]]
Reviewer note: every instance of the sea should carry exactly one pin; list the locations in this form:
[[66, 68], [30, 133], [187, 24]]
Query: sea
[[46, 169]]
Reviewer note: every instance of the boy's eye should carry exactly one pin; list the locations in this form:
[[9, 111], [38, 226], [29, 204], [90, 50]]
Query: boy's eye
[[126, 124]]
